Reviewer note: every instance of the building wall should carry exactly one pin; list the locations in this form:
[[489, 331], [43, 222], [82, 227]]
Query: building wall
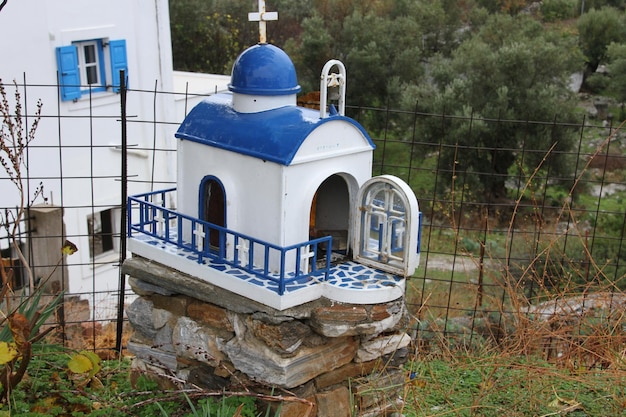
[[76, 140], [252, 207], [267, 200]]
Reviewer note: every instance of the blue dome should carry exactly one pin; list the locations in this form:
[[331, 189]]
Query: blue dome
[[264, 70]]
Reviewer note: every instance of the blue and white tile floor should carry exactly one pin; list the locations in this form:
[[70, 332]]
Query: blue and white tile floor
[[348, 281]]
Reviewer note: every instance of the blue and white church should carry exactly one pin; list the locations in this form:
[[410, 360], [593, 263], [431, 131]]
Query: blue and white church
[[276, 202]]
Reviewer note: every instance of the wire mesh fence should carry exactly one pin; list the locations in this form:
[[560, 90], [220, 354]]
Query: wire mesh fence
[[542, 260], [504, 250]]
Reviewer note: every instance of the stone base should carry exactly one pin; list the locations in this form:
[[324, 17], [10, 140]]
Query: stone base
[[324, 358]]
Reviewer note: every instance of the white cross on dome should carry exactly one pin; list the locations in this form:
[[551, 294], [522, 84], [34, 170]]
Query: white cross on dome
[[262, 16]]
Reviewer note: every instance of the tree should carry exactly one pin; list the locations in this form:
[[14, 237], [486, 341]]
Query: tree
[[208, 35], [616, 53], [290, 16], [193, 28], [381, 43], [597, 29], [510, 70], [511, 7]]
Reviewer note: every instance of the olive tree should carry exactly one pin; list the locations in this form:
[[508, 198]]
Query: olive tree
[[597, 29], [510, 71]]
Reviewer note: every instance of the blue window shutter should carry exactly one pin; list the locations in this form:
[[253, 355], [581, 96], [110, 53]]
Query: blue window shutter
[[118, 62], [69, 77]]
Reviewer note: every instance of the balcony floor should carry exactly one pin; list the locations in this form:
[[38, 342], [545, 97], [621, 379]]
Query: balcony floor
[[348, 281]]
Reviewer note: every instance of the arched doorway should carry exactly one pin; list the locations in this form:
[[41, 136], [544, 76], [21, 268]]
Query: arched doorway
[[213, 207], [330, 212]]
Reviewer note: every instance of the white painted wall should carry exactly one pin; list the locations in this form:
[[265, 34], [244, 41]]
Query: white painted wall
[[191, 88], [30, 31], [267, 200]]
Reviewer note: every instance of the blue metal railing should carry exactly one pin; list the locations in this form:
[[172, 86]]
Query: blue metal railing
[[169, 226]]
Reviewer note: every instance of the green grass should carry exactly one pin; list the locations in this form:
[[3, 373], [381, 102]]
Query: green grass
[[50, 390], [494, 385], [483, 384]]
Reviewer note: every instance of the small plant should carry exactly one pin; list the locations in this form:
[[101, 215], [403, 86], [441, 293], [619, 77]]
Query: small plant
[[14, 140], [21, 325]]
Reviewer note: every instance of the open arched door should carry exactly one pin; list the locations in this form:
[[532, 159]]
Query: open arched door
[[387, 226]]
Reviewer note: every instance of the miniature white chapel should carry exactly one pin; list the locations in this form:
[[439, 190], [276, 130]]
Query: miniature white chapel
[[276, 202]]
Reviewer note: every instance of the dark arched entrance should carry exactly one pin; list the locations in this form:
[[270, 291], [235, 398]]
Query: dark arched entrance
[[330, 212], [213, 207]]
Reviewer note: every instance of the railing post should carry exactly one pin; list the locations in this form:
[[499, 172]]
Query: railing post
[[281, 282], [329, 250], [298, 256], [222, 243], [129, 219]]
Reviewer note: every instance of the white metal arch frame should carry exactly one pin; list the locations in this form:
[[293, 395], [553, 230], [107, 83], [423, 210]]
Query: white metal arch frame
[[333, 79]]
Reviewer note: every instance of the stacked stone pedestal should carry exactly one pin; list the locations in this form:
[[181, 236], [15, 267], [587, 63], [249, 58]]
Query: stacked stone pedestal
[[330, 357]]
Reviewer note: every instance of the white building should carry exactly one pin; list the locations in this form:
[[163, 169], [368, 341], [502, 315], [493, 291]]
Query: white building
[[83, 44]]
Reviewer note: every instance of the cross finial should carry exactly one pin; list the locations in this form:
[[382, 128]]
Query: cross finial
[[262, 16]]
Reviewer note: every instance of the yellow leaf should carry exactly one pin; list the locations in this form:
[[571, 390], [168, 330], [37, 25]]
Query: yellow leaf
[[69, 248], [80, 364], [8, 352], [95, 362]]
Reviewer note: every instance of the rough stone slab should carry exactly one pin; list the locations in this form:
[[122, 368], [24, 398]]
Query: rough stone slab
[[210, 315], [284, 338], [349, 371], [160, 317], [151, 355], [259, 362], [380, 312], [175, 304], [139, 314], [334, 403], [270, 318], [323, 322], [193, 341], [160, 275], [380, 346], [163, 339], [341, 313], [144, 288]]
